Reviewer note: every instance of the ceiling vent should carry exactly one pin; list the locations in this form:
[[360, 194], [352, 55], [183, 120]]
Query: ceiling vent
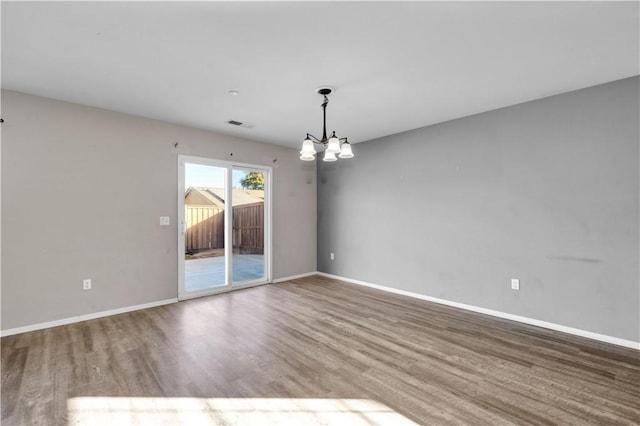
[[235, 123]]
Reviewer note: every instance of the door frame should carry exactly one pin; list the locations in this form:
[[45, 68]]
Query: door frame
[[228, 225]]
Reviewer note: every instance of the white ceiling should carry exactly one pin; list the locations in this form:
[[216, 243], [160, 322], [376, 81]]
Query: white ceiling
[[395, 65]]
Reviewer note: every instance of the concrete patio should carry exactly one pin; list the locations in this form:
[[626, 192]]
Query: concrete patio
[[208, 272]]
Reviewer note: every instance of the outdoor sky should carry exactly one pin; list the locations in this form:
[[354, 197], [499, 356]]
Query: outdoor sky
[[201, 175]]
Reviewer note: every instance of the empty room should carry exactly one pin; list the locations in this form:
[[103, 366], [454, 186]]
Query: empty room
[[320, 213]]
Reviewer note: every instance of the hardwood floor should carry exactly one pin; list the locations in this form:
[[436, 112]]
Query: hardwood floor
[[373, 357]]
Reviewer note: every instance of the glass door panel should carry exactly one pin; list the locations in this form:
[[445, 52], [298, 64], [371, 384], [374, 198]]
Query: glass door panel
[[248, 199], [204, 227]]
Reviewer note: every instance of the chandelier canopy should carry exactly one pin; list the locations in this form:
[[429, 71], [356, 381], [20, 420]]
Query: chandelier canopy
[[331, 145]]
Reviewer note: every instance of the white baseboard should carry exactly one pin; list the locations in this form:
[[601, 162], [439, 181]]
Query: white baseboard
[[544, 324], [86, 317], [294, 277]]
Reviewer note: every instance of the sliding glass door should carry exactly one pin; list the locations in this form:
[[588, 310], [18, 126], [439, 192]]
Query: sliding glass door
[[224, 232], [248, 225]]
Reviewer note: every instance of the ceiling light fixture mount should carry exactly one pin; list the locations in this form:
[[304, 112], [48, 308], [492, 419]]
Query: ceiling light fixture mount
[[332, 144]]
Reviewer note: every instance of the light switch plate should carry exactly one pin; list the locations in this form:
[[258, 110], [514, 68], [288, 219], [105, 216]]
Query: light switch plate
[[515, 284], [164, 221]]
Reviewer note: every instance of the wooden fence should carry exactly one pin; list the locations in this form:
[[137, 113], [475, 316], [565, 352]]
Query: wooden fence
[[248, 228], [205, 228]]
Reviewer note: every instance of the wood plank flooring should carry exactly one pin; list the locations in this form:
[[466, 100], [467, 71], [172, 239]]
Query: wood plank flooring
[[316, 348]]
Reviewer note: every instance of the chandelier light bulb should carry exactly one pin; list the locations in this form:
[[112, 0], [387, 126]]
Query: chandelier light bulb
[[334, 144], [307, 147], [329, 156], [345, 151], [307, 157]]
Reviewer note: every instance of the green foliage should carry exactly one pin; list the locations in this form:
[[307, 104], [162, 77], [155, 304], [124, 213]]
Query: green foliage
[[253, 180]]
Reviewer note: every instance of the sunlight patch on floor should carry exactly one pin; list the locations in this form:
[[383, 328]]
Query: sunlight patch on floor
[[103, 411]]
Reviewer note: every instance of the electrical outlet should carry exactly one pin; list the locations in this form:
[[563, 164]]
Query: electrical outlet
[[515, 284], [331, 256], [86, 284]]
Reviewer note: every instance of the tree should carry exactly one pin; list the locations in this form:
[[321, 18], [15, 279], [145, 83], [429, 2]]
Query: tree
[[253, 180]]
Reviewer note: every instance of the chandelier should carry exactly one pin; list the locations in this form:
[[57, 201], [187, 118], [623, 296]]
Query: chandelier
[[331, 145]]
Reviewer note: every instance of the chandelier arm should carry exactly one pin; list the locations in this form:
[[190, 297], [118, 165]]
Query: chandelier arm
[[313, 138]]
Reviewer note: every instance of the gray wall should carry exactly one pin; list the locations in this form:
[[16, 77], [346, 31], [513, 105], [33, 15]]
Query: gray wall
[[82, 191], [545, 191]]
